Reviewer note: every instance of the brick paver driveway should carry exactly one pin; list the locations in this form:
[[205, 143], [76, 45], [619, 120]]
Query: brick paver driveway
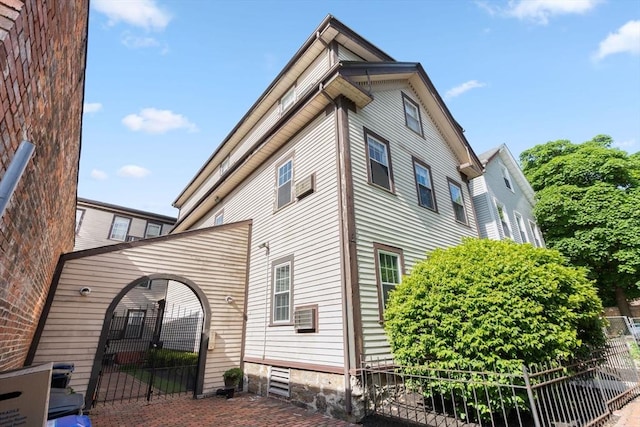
[[245, 410]]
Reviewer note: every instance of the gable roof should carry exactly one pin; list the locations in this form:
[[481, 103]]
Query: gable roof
[[503, 153], [329, 29], [342, 78]]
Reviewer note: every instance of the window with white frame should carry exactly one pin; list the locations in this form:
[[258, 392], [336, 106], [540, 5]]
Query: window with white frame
[[224, 166], [504, 220], [457, 200], [422, 173], [219, 218], [507, 178], [135, 323], [288, 99], [389, 272], [79, 216], [412, 114], [535, 234], [284, 193], [521, 228], [119, 228], [379, 161], [152, 230], [282, 277]]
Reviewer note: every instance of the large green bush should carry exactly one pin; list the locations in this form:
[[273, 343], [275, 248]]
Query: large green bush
[[493, 305]]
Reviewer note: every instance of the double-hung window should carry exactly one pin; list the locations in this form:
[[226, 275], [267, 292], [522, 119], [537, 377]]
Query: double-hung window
[[379, 161], [535, 234], [424, 185], [412, 114], [282, 276], [455, 190], [153, 230], [224, 166], [119, 228], [284, 192], [389, 270], [521, 228], [504, 220]]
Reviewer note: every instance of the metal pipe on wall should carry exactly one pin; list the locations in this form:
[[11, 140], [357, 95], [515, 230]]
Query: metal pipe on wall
[[14, 172]]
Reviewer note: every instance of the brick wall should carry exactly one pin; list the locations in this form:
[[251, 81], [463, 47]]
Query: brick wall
[[42, 64]]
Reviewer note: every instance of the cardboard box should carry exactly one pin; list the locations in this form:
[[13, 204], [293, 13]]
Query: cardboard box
[[24, 396]]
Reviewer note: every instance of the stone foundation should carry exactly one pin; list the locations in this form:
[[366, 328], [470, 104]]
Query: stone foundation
[[316, 391]]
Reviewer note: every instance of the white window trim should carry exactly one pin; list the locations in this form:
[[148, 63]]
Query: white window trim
[[220, 215], [414, 106], [224, 166], [126, 233], [288, 260], [417, 163], [451, 182], [372, 136], [288, 99], [129, 322], [79, 219], [506, 176], [278, 185], [504, 219], [146, 229], [379, 249], [535, 234], [521, 226]]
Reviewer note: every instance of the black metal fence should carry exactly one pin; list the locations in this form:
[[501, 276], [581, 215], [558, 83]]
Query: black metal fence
[[149, 355], [580, 394]]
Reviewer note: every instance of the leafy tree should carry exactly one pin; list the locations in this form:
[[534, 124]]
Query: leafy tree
[[588, 199], [487, 305]]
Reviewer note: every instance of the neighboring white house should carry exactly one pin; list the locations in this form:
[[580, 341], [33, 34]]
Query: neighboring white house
[[351, 168], [99, 224], [504, 200]]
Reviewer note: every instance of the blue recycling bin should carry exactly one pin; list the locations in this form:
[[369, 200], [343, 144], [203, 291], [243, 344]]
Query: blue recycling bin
[[61, 374], [70, 421]]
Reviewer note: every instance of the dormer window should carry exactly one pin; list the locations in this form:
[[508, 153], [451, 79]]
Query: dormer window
[[288, 99]]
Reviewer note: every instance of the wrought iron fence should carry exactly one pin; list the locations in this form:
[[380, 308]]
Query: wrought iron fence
[[580, 394]]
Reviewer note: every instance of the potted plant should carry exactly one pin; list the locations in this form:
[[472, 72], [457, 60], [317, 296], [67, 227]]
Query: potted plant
[[232, 378]]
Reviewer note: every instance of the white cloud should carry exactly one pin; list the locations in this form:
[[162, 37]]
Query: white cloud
[[140, 13], [136, 42], [626, 39], [464, 87], [539, 11], [98, 175], [151, 120], [133, 171], [92, 107]]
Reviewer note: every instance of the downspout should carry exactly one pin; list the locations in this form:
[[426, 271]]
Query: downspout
[[14, 172]]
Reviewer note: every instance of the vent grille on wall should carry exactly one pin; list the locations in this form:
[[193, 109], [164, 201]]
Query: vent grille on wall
[[279, 381], [304, 319]]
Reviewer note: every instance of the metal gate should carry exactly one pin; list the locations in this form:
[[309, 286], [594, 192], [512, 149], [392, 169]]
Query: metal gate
[[150, 352]]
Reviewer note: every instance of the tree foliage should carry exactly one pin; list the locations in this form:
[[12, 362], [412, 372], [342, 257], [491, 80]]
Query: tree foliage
[[588, 199], [492, 303]]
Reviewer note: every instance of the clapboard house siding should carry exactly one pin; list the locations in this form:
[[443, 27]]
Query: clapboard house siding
[[396, 219], [214, 259], [309, 77], [308, 230]]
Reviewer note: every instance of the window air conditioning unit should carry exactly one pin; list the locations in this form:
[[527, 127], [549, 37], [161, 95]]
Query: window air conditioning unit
[[133, 238], [305, 186], [304, 319]]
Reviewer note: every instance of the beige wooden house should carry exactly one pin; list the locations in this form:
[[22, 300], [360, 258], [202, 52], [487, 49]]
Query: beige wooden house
[[351, 168]]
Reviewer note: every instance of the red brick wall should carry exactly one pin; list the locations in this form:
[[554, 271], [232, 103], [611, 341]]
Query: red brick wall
[[42, 63]]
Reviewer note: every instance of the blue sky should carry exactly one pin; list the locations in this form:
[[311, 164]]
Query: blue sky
[[167, 80]]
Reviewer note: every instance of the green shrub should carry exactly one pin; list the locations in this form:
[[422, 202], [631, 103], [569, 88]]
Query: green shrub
[[167, 358], [493, 305], [232, 377]]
